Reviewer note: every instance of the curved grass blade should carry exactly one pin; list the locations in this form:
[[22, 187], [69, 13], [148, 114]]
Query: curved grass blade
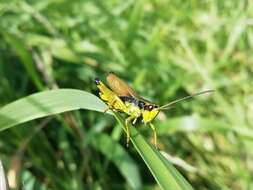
[[164, 173], [47, 103]]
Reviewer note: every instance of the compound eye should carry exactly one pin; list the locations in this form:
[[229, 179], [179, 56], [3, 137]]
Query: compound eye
[[149, 107]]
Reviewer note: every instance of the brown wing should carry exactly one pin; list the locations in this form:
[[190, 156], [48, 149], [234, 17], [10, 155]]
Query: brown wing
[[121, 88]]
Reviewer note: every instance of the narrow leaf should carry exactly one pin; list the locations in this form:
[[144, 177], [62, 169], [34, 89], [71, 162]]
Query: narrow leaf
[[164, 173]]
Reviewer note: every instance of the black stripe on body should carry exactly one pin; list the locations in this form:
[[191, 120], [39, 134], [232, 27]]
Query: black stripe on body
[[133, 100]]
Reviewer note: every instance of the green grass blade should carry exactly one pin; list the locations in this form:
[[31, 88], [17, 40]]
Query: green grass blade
[[164, 173], [47, 103]]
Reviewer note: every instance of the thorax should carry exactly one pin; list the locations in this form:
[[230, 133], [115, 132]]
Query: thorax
[[134, 106]]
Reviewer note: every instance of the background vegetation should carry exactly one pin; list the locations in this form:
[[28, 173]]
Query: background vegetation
[[165, 50]]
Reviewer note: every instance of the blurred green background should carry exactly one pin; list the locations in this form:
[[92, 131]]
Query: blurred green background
[[165, 49]]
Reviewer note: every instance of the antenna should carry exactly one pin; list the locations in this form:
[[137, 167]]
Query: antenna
[[168, 106]]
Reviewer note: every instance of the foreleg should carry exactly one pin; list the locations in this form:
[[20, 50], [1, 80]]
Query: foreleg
[[154, 131], [127, 121]]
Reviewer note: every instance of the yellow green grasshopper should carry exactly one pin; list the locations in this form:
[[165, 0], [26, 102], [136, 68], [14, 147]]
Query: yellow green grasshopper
[[119, 96]]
